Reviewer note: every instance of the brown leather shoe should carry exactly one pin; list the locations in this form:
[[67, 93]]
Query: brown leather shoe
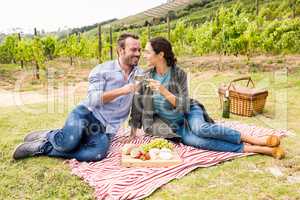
[[278, 153], [273, 141]]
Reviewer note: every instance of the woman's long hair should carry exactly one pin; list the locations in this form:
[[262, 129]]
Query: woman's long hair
[[160, 44]]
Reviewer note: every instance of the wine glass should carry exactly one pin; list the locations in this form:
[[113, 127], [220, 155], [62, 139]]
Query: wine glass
[[138, 79]]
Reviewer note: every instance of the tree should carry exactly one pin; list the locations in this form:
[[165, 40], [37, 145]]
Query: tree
[[24, 51], [38, 55], [71, 48], [8, 49], [49, 46]]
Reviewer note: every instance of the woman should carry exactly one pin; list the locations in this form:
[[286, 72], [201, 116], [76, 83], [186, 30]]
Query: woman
[[164, 109]]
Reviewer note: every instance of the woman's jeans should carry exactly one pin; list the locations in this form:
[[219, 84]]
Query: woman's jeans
[[82, 137], [204, 135]]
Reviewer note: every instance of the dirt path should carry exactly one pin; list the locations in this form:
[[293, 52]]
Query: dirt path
[[12, 98]]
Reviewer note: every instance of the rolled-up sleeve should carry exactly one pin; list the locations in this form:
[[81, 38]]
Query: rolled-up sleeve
[[96, 87]]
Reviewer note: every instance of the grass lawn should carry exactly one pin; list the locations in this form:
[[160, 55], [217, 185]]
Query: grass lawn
[[243, 178]]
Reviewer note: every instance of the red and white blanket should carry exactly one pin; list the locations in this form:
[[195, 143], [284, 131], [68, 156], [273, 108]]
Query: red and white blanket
[[112, 181]]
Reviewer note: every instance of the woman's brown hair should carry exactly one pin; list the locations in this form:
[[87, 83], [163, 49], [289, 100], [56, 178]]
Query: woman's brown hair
[[160, 44]]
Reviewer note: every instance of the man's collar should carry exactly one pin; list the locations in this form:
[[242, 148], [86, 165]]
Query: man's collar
[[118, 66]]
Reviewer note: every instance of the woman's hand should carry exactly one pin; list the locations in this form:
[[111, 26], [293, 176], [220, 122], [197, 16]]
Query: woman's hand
[[133, 132], [155, 85]]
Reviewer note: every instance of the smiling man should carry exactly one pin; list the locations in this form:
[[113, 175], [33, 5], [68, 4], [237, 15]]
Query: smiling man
[[89, 128]]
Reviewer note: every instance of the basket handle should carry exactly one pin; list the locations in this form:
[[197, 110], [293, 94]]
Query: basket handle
[[240, 79]]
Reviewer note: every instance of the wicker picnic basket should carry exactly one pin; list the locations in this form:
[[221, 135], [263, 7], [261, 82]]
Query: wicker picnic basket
[[244, 101]]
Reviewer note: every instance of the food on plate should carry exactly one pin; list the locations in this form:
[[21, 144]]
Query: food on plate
[[157, 143], [166, 150], [145, 156], [165, 155], [154, 153], [136, 152], [127, 148], [157, 149]]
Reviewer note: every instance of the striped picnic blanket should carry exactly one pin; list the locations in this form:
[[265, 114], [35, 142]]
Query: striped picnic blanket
[[111, 181]]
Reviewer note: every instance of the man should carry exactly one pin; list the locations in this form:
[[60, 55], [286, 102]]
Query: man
[[89, 128]]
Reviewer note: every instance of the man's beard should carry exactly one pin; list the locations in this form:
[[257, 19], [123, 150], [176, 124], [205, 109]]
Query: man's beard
[[129, 61]]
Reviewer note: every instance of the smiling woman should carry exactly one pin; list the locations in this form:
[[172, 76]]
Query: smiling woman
[[165, 105]]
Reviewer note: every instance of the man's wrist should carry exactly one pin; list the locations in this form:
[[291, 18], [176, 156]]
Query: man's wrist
[[124, 90]]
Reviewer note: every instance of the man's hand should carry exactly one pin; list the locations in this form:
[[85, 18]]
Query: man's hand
[[126, 89], [129, 88], [111, 95]]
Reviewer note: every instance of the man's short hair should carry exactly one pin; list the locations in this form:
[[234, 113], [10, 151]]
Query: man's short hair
[[123, 37]]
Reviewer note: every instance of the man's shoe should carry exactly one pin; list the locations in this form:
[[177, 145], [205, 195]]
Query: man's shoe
[[29, 149], [36, 135]]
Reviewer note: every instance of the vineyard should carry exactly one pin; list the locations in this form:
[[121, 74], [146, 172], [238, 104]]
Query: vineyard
[[201, 28], [43, 76]]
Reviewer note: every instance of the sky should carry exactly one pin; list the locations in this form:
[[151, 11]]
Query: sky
[[49, 15]]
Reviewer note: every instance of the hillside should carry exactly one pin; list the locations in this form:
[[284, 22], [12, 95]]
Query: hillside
[[190, 11], [156, 12], [147, 15]]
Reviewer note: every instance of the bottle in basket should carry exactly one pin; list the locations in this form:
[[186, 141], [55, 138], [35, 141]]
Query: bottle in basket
[[226, 105]]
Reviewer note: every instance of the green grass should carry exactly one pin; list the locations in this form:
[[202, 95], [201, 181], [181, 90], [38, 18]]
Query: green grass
[[243, 178], [40, 178]]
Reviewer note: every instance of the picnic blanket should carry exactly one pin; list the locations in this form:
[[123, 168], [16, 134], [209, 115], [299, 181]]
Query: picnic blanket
[[112, 181]]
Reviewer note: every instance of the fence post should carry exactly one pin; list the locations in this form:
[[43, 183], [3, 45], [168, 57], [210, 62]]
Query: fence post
[[37, 70], [22, 62], [294, 9], [78, 37], [99, 43], [149, 31], [111, 42], [257, 7], [169, 27]]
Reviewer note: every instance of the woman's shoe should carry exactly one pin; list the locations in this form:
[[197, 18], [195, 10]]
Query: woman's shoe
[[278, 153], [273, 141]]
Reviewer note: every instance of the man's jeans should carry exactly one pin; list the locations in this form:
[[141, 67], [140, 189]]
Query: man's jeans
[[82, 137], [209, 136]]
